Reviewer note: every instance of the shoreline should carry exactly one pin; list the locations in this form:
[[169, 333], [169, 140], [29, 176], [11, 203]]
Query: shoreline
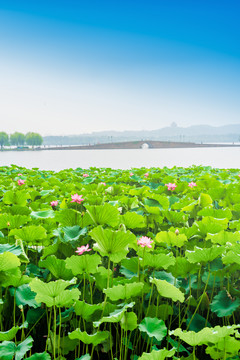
[[147, 144]]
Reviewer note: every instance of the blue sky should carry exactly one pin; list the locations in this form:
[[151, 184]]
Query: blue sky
[[81, 66]]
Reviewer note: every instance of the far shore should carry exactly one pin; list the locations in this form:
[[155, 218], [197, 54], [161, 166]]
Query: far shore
[[147, 144]]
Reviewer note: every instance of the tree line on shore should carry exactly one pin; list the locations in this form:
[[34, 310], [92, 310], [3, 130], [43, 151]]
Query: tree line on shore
[[20, 139]]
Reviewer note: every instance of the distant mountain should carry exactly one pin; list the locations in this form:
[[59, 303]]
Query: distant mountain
[[195, 133]]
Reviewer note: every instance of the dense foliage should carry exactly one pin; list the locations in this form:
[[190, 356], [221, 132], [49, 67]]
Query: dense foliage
[[112, 264]]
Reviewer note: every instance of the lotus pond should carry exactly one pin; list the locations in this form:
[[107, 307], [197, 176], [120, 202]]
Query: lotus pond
[[113, 264]]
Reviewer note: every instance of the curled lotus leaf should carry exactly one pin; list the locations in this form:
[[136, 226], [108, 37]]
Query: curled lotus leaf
[[95, 339], [153, 327], [168, 290], [125, 291], [206, 255], [171, 239], [158, 355]]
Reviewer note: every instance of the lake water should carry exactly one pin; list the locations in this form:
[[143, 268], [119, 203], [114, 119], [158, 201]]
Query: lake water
[[226, 157]]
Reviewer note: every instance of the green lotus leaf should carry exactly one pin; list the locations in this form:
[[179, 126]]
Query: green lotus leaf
[[227, 347], [24, 296], [125, 291], [14, 277], [232, 256], [103, 214], [190, 206], [8, 335], [43, 214], [223, 237], [10, 248], [223, 304], [68, 217], [129, 267], [182, 268], [73, 233], [8, 349], [115, 316], [30, 234], [54, 293], [171, 238], [101, 277], [205, 200], [57, 267], [168, 290], [113, 244], [199, 255], [158, 355], [16, 198], [18, 210], [40, 356], [153, 327], [158, 261], [216, 213], [95, 339], [8, 261], [84, 357], [80, 264], [8, 221], [206, 335], [161, 199], [162, 311], [133, 220], [86, 311], [129, 321], [175, 217], [211, 225], [153, 210]]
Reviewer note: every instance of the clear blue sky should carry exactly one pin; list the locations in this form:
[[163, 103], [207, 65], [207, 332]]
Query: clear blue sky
[[80, 66]]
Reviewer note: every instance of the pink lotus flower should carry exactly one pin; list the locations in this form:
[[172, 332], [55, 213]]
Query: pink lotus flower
[[54, 203], [21, 182], [177, 232], [131, 174], [171, 186], [20, 174], [192, 184], [145, 241], [146, 175], [103, 183], [77, 198], [82, 249], [85, 175]]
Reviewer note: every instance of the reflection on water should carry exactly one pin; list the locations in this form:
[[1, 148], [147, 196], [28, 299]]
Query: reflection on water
[[56, 160]]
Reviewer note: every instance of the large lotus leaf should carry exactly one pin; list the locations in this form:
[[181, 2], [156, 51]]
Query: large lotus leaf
[[10, 248], [153, 210], [175, 217], [68, 217], [211, 225], [223, 237], [228, 347], [206, 335], [182, 268], [24, 296], [57, 267], [40, 356], [199, 255], [84, 357], [101, 277], [16, 198], [8, 349], [190, 206], [161, 199], [168, 290], [50, 250], [133, 220], [54, 292], [162, 311], [158, 261], [8, 335], [129, 321], [8, 261], [205, 200], [232, 256], [115, 316], [197, 322], [129, 267], [86, 311], [153, 327], [113, 244], [216, 213], [103, 214], [8, 221], [223, 305], [13, 277], [43, 214], [18, 210], [30, 234], [95, 339], [80, 264], [171, 238], [158, 355], [125, 291], [73, 233]]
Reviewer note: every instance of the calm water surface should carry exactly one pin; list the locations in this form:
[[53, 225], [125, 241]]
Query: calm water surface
[[56, 160]]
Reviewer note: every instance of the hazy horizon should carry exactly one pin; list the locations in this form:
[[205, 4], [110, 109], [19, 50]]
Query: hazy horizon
[[74, 68]]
